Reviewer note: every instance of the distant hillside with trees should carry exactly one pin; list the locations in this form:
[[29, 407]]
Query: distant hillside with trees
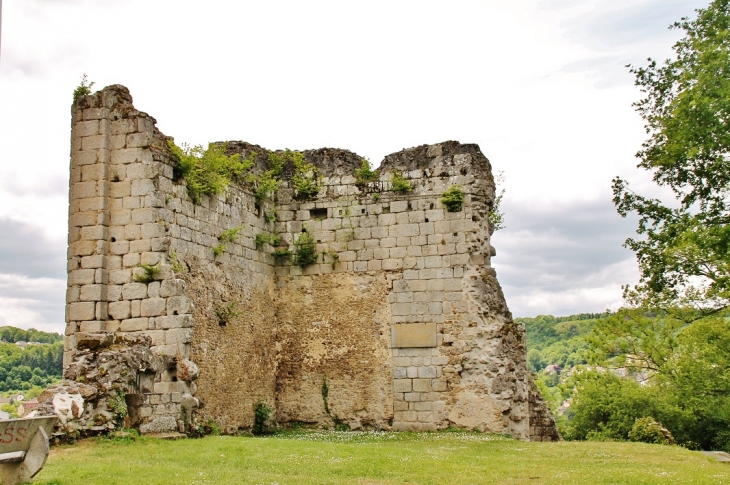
[[36, 365]]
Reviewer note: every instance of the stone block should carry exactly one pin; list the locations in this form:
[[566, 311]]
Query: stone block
[[153, 230], [93, 172], [404, 230], [94, 142], [121, 217], [160, 244], [143, 187], [93, 262], [178, 305], [388, 242], [134, 324], [120, 189], [427, 372], [172, 287], [119, 247], [423, 406], [426, 416], [139, 140], [411, 396], [140, 246], [85, 158], [398, 206], [176, 321], [153, 289], [86, 128], [153, 307], [80, 311], [134, 291], [392, 264], [398, 253], [410, 335], [400, 406], [176, 336], [130, 155], [130, 259], [421, 385], [439, 385], [81, 277], [93, 293], [120, 310], [402, 385]]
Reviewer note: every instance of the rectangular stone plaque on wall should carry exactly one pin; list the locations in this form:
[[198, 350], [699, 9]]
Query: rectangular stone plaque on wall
[[408, 335]]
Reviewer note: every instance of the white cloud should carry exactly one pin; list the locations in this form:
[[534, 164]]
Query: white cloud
[[32, 302], [539, 85]]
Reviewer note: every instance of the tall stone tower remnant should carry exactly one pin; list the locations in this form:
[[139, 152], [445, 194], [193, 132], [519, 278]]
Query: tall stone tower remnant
[[399, 323]]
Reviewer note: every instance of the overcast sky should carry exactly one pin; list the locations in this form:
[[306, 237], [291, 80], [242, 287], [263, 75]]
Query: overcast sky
[[540, 85]]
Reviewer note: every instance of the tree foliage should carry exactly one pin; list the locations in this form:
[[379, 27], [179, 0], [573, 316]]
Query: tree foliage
[[14, 334], [495, 215], [34, 366], [683, 249]]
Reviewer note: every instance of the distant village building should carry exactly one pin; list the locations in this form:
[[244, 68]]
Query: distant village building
[[25, 408]]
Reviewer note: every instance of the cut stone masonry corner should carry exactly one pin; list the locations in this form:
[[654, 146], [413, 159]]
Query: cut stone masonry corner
[[400, 322]]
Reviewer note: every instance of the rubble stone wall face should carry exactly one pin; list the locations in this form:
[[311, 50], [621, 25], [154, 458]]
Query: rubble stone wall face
[[399, 323]]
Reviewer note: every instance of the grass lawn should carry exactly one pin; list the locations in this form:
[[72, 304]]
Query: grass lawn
[[373, 458]]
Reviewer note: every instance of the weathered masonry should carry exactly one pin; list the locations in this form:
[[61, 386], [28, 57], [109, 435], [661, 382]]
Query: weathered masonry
[[399, 323]]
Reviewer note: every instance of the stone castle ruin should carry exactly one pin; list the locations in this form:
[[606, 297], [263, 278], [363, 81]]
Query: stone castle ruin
[[182, 312]]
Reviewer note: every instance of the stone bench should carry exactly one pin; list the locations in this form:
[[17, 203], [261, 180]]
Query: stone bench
[[23, 448]]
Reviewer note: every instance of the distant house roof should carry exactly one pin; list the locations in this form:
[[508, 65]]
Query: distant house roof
[[21, 344], [4, 400], [27, 407]]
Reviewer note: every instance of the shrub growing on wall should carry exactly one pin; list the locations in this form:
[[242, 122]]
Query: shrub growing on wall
[[453, 198], [399, 183], [305, 252], [208, 171]]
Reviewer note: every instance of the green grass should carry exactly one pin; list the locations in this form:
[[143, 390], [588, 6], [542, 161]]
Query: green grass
[[374, 458]]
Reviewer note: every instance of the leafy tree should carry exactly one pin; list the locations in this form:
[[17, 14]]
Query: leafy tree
[[495, 216], [684, 249], [534, 360], [605, 407]]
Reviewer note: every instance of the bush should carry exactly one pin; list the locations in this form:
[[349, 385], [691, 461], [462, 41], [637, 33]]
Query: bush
[[399, 183], [453, 198], [264, 238], [648, 430], [149, 273], [365, 173], [305, 252], [261, 418], [607, 406], [84, 88], [208, 171]]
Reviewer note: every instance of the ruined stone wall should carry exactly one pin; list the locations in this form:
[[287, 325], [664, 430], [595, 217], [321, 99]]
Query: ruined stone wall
[[126, 211], [399, 323]]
